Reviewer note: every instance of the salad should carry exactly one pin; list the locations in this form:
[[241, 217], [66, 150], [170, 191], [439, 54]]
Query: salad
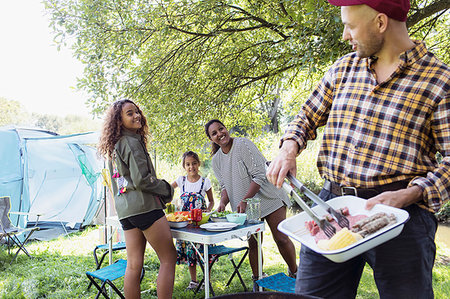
[[221, 214]]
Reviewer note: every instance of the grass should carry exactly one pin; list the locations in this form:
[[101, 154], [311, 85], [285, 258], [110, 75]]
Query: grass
[[57, 270]]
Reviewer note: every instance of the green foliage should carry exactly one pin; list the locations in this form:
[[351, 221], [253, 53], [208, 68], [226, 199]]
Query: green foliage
[[444, 213], [12, 113], [186, 62]]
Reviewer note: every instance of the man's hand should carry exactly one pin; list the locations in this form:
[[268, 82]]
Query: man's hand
[[283, 164], [397, 199]]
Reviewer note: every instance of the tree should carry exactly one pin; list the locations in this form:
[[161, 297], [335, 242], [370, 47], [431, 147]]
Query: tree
[[188, 61], [12, 113], [48, 121]]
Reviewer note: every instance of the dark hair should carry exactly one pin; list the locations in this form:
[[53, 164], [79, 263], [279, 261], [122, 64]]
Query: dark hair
[[112, 128], [214, 146], [190, 154]]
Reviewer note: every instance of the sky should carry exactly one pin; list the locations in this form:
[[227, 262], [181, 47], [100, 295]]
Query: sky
[[32, 70]]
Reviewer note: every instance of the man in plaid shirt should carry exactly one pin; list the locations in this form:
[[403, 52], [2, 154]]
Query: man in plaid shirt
[[385, 108]]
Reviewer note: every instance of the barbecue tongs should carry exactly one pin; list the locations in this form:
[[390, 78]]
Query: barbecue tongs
[[328, 228]]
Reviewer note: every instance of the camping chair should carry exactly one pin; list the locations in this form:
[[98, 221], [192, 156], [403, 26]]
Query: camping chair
[[10, 232], [216, 252], [278, 282], [105, 249], [107, 275]]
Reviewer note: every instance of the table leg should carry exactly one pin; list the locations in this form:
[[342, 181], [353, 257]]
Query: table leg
[[206, 264], [260, 271], [110, 246]]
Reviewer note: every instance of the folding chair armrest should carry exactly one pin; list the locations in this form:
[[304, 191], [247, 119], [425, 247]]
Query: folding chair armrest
[[115, 247], [38, 215], [27, 213]]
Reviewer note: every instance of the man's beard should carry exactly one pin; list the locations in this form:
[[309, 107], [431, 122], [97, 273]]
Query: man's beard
[[370, 47]]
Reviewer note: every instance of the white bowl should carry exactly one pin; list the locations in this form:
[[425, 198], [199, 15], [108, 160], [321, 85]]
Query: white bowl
[[295, 228], [218, 219], [178, 224]]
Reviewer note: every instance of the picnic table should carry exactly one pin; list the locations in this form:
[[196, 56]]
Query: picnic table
[[196, 234]]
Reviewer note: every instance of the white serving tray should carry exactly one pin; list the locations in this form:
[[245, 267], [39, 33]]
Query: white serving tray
[[295, 228]]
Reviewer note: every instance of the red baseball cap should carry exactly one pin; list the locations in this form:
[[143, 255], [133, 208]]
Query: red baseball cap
[[395, 9]]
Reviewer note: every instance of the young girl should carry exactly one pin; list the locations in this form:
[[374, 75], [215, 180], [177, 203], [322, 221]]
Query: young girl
[[193, 187], [139, 196], [239, 167]]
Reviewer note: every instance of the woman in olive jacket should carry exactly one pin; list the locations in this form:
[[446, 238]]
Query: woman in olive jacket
[[139, 196]]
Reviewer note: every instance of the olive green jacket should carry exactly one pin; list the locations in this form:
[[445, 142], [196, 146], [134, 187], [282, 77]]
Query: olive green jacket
[[144, 192]]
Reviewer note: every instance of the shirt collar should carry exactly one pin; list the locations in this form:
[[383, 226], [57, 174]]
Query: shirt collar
[[408, 57], [127, 132], [412, 55]]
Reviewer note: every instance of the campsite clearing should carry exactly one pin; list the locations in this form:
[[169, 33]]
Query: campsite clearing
[[57, 270]]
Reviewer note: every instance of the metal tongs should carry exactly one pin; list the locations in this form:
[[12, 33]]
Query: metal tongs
[[338, 216], [326, 226]]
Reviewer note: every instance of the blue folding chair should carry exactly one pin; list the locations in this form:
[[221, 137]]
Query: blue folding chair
[[278, 282], [105, 249], [107, 275]]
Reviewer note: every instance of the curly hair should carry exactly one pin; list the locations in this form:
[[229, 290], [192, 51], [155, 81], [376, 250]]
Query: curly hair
[[112, 128]]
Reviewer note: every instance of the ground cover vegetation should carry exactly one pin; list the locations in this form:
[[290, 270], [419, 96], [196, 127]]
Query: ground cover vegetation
[[57, 270]]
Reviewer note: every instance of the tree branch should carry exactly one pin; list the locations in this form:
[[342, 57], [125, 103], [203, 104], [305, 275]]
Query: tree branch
[[427, 11], [271, 26]]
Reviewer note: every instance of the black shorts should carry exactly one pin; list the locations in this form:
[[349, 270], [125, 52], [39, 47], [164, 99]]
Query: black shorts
[[142, 221]]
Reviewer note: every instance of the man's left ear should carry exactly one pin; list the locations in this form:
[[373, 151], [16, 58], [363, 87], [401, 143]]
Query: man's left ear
[[382, 22]]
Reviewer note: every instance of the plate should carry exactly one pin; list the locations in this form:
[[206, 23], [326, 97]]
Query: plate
[[295, 228], [218, 226]]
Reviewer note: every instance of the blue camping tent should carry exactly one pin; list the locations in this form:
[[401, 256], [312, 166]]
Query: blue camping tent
[[56, 176]]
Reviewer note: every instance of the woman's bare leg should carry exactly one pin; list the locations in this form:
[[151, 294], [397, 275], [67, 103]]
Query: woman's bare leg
[[135, 243], [160, 238], [284, 244], [253, 254]]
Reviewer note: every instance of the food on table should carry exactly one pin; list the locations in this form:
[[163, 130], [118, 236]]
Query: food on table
[[221, 214], [177, 217], [341, 239], [361, 226]]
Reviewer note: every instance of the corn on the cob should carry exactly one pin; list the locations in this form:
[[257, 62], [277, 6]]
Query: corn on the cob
[[341, 239]]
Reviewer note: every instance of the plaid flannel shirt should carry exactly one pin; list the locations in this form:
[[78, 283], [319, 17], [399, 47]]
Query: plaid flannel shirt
[[380, 133]]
